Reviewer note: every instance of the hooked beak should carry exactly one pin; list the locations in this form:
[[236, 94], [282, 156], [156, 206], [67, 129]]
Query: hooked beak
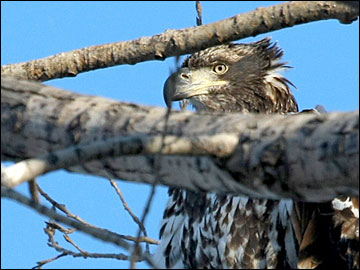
[[185, 84]]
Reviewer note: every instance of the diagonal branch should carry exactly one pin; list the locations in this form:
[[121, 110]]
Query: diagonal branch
[[127, 207], [65, 210], [50, 231], [184, 41], [99, 233]]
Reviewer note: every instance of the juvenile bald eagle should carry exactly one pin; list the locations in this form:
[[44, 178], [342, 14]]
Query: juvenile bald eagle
[[207, 230]]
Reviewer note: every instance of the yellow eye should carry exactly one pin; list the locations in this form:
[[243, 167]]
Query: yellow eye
[[220, 69]]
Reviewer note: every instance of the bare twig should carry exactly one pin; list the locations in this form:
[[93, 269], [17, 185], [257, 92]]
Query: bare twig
[[57, 226], [120, 256], [50, 231], [41, 263], [137, 251], [33, 190], [179, 42], [64, 209], [69, 240], [99, 233], [128, 209], [199, 13]]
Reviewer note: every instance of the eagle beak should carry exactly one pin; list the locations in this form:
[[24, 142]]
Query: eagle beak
[[186, 83]]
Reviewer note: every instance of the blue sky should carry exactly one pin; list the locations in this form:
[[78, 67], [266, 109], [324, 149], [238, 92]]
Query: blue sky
[[325, 57]]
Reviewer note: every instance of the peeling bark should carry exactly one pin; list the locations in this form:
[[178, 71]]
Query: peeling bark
[[308, 157]]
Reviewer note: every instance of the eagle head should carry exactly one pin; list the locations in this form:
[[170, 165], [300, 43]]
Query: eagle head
[[233, 77]]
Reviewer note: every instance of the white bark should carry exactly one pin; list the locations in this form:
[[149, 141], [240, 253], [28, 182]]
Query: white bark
[[306, 156]]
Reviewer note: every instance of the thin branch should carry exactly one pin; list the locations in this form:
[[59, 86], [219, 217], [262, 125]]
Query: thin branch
[[50, 231], [69, 240], [40, 264], [33, 190], [184, 41], [199, 13], [134, 217], [120, 256], [99, 233], [64, 209], [57, 226], [127, 207], [137, 251]]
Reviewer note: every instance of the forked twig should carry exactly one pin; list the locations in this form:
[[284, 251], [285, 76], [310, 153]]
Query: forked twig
[[128, 209]]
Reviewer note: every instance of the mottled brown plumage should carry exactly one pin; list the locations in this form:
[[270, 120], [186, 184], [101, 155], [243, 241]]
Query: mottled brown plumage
[[206, 230], [250, 84]]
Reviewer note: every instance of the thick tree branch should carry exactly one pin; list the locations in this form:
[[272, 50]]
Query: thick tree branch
[[217, 145], [184, 41], [307, 156]]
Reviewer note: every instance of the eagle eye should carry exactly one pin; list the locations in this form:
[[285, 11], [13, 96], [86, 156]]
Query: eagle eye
[[220, 69]]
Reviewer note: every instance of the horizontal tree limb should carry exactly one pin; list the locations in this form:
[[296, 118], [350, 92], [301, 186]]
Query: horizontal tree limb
[[308, 157], [216, 145], [184, 41]]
